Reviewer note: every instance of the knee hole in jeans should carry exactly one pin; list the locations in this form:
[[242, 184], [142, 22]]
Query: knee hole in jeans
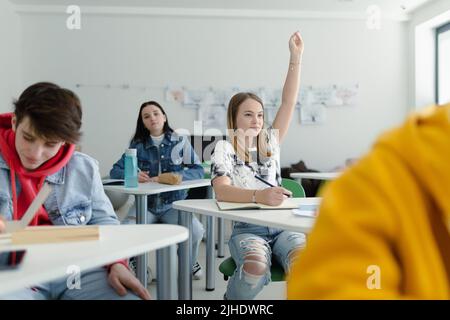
[[255, 264]]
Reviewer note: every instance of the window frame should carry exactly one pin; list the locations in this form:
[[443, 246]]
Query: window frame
[[442, 29]]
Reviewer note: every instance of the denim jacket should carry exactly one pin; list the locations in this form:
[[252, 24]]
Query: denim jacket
[[77, 197], [175, 154]]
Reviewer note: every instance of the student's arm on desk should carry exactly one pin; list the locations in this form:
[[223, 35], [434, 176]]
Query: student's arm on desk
[[226, 192]]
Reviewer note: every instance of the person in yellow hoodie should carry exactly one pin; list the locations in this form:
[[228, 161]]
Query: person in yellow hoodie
[[383, 226]]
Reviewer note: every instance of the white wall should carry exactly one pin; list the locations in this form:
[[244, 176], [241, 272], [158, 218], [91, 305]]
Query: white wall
[[421, 35], [220, 52], [9, 55]]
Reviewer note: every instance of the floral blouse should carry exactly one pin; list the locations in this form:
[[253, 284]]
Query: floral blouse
[[225, 162]]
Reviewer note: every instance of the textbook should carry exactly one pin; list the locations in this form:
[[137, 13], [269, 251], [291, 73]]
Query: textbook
[[55, 234], [290, 203]]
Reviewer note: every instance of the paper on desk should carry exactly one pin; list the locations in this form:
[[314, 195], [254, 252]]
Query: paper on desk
[[306, 210], [12, 226]]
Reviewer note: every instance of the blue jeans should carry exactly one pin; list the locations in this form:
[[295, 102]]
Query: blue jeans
[[93, 286], [252, 248], [171, 217]]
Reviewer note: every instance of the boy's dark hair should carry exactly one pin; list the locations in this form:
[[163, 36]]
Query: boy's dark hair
[[53, 112]]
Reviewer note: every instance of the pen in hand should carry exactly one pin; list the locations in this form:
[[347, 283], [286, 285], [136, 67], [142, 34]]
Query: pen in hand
[[265, 181], [269, 184], [143, 176]]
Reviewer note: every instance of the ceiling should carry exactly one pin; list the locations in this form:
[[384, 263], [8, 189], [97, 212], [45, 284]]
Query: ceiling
[[388, 7]]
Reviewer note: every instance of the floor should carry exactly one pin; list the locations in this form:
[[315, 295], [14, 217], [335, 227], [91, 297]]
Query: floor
[[274, 291]]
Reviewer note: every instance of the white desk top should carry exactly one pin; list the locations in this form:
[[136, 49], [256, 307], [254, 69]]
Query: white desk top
[[46, 262], [315, 175], [283, 219], [149, 188]]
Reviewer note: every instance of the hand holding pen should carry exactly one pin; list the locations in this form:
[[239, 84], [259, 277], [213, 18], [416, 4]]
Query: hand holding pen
[[143, 176], [273, 196], [285, 192]]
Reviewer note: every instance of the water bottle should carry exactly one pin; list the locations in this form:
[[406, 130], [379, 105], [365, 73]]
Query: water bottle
[[131, 169]]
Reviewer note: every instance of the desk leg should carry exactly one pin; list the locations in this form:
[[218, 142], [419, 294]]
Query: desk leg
[[166, 271], [221, 232], [221, 237], [185, 259], [210, 256], [141, 218]]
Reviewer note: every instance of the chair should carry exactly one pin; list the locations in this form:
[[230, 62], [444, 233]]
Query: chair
[[118, 201], [293, 186], [228, 266], [207, 168]]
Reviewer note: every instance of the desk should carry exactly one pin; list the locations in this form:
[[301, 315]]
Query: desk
[[315, 175], [283, 219], [46, 262], [141, 192]]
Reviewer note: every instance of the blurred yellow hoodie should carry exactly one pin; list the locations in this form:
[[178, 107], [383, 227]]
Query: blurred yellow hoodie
[[383, 226]]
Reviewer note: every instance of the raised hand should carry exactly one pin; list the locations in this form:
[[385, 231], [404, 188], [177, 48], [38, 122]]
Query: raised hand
[[296, 45]]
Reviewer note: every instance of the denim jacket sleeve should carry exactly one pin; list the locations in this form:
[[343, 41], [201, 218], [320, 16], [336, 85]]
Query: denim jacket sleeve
[[102, 209], [118, 169], [192, 168]]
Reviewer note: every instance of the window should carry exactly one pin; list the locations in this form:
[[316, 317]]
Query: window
[[443, 64]]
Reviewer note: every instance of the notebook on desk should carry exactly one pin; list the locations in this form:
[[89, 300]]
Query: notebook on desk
[[55, 234], [18, 232], [113, 182], [289, 203]]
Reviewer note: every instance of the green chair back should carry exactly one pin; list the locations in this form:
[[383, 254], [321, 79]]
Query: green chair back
[[207, 168], [294, 187]]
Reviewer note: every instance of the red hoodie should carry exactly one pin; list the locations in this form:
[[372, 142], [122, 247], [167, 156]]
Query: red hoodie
[[30, 181]]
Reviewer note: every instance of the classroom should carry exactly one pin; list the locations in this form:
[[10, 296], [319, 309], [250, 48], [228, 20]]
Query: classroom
[[354, 89]]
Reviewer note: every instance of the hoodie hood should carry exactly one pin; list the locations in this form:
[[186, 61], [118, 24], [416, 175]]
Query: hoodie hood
[[424, 145]]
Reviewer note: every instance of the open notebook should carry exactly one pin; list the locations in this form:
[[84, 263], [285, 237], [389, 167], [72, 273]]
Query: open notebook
[[290, 203]]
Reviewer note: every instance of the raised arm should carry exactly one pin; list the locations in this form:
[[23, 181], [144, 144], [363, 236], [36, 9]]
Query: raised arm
[[291, 86]]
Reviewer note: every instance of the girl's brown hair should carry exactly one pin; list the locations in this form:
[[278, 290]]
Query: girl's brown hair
[[262, 138]]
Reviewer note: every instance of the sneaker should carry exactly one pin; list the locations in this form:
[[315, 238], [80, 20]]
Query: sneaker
[[132, 263], [197, 271]]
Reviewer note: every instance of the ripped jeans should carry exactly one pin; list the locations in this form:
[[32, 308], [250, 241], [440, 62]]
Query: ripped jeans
[[252, 248]]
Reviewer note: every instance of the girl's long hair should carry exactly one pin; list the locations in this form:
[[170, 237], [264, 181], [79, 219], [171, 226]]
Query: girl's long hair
[[142, 133], [263, 150]]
